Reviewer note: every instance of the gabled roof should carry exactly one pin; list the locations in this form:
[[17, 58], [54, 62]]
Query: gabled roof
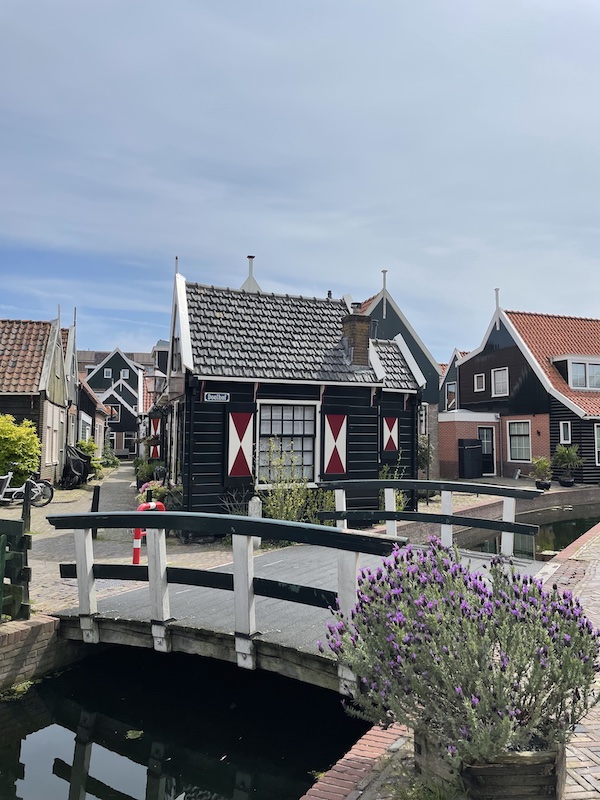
[[134, 365], [23, 347], [266, 337], [547, 337], [92, 394]]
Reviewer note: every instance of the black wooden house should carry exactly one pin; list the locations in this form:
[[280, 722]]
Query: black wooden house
[[248, 369]]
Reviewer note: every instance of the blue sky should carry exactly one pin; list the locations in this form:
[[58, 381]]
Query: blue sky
[[455, 144]]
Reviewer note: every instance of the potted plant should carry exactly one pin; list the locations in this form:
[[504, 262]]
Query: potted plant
[[566, 459], [492, 673], [541, 472]]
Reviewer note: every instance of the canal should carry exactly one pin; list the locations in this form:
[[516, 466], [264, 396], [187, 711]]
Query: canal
[[133, 723]]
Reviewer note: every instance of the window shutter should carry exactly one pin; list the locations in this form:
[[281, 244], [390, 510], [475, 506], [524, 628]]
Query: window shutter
[[154, 449], [240, 444], [389, 439], [335, 444]]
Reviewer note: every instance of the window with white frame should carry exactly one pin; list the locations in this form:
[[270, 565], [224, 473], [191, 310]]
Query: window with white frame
[[479, 382], [125, 374], [565, 432], [115, 412], [597, 441], [286, 441], [584, 375], [450, 395], [500, 382], [107, 372], [519, 441]]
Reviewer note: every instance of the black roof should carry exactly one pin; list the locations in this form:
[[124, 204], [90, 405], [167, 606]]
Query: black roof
[[258, 336]]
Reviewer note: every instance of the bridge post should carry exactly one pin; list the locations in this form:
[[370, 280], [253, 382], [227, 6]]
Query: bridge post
[[389, 495], [244, 601], [507, 540], [159, 588], [255, 510], [348, 566], [446, 530], [86, 586]]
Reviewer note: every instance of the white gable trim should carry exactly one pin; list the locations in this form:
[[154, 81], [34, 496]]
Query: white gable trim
[[390, 301], [132, 364], [180, 312], [500, 316], [410, 360], [375, 362], [119, 401]]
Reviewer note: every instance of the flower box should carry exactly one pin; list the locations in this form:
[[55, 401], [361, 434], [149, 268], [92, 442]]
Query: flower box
[[518, 776]]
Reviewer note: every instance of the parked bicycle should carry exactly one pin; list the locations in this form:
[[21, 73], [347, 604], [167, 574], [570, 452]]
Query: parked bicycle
[[42, 491]]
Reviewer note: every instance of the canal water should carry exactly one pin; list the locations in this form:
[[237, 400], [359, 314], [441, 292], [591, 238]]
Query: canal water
[[133, 723]]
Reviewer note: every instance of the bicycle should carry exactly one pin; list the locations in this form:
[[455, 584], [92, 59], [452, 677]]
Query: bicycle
[[42, 491]]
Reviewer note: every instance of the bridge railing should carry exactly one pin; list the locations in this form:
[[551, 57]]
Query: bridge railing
[[507, 526], [246, 587]]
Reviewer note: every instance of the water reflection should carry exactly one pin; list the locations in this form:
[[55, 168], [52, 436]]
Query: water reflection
[[139, 725]]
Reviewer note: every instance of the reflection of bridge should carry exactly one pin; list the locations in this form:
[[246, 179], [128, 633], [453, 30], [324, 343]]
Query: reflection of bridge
[[279, 607]]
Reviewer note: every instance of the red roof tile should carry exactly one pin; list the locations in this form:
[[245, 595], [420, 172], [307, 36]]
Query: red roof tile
[[549, 336], [23, 345]]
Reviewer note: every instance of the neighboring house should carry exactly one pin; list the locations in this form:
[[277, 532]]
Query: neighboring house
[[448, 392], [93, 416], [248, 370], [388, 321], [69, 346], [117, 381], [533, 382], [33, 385]]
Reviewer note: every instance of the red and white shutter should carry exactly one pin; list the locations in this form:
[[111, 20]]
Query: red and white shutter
[[154, 432], [390, 435], [239, 456], [335, 444]]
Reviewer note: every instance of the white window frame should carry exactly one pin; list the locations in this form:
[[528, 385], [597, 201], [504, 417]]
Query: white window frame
[[424, 419], [107, 372], [118, 417], [451, 407], [586, 384], [564, 428], [317, 436], [597, 442], [481, 386], [125, 374], [494, 374], [509, 440]]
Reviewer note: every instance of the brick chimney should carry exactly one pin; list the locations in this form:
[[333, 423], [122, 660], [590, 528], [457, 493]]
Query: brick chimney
[[356, 329]]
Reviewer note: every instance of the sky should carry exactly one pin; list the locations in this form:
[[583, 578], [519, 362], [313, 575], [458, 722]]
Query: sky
[[453, 143]]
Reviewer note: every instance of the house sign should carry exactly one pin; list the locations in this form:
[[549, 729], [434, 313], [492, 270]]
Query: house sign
[[216, 397]]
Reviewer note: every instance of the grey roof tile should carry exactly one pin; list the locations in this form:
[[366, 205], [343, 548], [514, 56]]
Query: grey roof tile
[[280, 337]]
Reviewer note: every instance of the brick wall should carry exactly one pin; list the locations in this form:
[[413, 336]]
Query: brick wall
[[32, 648]]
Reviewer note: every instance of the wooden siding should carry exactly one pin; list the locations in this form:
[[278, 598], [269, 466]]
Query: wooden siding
[[204, 444], [116, 363], [22, 406], [526, 393], [582, 433]]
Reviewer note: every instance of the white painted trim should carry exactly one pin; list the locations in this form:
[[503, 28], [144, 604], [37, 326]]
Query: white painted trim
[[317, 451], [110, 393], [375, 362], [288, 382], [564, 439], [475, 376], [390, 301], [410, 360], [185, 339], [509, 422], [494, 451], [132, 364], [500, 394], [462, 415], [597, 442]]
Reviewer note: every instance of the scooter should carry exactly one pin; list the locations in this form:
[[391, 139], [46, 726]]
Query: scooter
[[42, 491]]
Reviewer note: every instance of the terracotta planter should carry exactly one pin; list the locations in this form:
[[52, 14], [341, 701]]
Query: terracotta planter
[[512, 776]]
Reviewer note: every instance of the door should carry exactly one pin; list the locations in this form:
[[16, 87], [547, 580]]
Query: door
[[488, 456]]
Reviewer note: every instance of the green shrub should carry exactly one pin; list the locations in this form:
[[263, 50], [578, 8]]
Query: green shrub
[[20, 446], [88, 447]]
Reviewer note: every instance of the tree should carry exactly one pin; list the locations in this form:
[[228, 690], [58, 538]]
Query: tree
[[20, 447]]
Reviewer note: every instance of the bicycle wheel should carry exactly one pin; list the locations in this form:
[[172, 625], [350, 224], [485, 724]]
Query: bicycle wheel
[[44, 493]]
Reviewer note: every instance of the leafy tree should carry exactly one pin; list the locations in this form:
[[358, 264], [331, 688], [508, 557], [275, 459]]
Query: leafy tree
[[20, 448]]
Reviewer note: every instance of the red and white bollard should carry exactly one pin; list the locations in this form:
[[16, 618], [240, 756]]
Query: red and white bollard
[[139, 532]]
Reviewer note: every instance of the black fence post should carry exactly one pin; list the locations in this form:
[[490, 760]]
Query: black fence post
[[26, 513], [95, 506]]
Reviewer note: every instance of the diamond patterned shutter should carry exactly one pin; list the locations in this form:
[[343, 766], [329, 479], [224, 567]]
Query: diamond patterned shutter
[[390, 434], [240, 444], [335, 444], [155, 433]]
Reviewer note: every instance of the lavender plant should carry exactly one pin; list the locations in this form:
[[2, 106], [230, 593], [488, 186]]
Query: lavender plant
[[486, 664]]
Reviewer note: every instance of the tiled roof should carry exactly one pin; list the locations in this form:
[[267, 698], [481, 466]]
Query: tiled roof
[[397, 371], [548, 336], [23, 345], [270, 337]]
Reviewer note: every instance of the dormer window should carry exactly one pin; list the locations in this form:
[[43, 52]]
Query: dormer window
[[584, 375]]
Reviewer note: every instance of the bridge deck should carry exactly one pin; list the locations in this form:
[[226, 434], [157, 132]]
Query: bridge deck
[[203, 619]]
